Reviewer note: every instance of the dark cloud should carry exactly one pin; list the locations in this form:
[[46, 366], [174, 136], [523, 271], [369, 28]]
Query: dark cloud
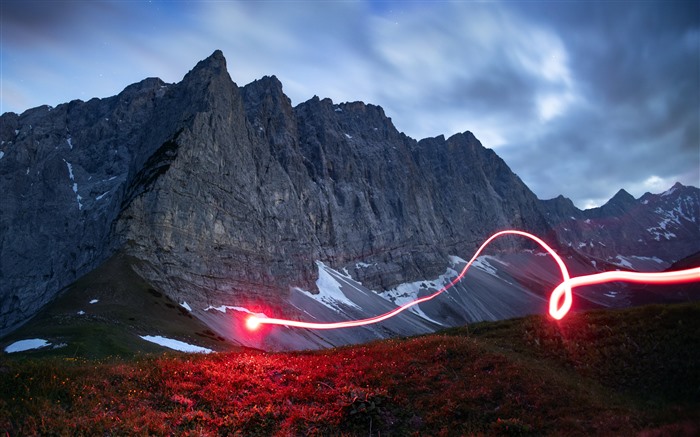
[[31, 22], [579, 98], [637, 66]]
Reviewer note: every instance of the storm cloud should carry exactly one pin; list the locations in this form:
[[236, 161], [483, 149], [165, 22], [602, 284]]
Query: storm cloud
[[579, 98]]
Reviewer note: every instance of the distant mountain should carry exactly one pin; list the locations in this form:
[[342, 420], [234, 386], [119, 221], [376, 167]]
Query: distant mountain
[[225, 196], [648, 233]]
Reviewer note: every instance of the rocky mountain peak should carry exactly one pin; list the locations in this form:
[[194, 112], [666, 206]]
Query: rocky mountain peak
[[148, 84], [228, 196], [622, 197], [560, 209], [214, 64], [678, 185], [266, 84], [209, 74], [266, 91], [618, 205]]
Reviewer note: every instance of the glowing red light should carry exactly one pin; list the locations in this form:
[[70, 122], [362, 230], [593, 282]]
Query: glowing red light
[[559, 302], [252, 323]]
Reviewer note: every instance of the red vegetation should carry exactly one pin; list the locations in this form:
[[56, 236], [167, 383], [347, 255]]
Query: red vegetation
[[514, 377]]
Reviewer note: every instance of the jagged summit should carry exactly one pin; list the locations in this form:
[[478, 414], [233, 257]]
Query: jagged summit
[[621, 200], [216, 63], [145, 85], [622, 196], [209, 74]]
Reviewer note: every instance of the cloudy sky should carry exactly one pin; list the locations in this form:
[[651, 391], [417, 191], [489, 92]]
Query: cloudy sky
[[579, 98]]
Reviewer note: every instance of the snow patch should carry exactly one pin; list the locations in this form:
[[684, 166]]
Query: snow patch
[[94, 301], [330, 292], [220, 308], [185, 306], [223, 308], [658, 233], [102, 195], [409, 292], [70, 142], [75, 185], [632, 260], [482, 263], [454, 260], [25, 345], [622, 262], [2, 154], [361, 265], [669, 191], [338, 110], [70, 170], [176, 344], [348, 136], [649, 258], [81, 313]]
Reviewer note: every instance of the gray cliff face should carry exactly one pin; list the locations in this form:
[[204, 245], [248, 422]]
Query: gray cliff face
[[251, 192], [228, 195], [62, 173]]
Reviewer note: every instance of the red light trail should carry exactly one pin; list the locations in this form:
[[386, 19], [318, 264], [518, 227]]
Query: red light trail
[[559, 302]]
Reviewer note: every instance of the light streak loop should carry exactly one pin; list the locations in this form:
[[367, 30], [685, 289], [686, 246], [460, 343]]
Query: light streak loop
[[556, 310]]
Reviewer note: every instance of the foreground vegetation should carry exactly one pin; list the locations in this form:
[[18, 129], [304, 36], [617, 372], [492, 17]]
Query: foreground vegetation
[[597, 373]]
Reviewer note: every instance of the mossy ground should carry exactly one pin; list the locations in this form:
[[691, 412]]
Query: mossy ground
[[595, 373]]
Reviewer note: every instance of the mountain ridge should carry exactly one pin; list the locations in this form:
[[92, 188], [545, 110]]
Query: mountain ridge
[[229, 194]]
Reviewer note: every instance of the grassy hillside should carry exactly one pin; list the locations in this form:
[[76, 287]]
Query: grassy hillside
[[597, 373], [104, 313]]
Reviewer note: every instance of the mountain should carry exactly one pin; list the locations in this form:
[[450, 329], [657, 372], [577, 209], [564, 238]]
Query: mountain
[[648, 233], [228, 197]]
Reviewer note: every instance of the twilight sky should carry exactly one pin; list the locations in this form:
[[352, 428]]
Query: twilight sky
[[579, 98]]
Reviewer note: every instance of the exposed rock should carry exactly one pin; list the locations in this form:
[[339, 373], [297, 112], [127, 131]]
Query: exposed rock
[[228, 195]]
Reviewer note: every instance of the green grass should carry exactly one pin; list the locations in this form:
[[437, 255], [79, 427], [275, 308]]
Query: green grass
[[625, 372], [127, 307]]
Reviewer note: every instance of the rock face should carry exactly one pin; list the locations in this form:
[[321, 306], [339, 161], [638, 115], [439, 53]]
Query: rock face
[[229, 195], [63, 173]]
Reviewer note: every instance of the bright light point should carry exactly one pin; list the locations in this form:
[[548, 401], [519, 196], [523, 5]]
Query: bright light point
[[252, 323]]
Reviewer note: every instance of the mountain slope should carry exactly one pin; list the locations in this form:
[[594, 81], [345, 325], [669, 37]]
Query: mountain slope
[[228, 195], [106, 312], [630, 372]]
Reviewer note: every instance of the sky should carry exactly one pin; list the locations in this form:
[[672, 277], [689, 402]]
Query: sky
[[579, 98]]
